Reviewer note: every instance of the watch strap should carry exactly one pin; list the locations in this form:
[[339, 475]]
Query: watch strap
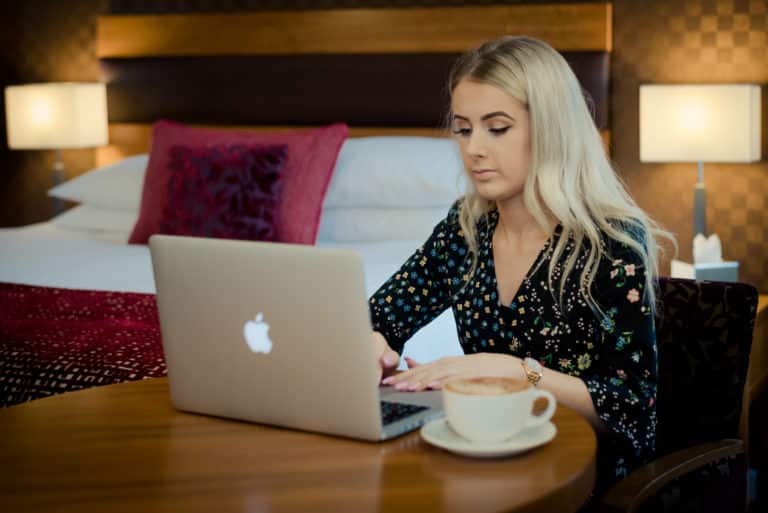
[[532, 370]]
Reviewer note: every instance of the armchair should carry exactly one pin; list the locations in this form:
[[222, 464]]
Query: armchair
[[704, 335]]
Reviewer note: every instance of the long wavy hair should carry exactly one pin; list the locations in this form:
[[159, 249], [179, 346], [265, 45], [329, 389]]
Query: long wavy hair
[[571, 180]]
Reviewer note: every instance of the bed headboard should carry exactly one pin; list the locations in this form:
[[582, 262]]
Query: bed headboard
[[382, 71]]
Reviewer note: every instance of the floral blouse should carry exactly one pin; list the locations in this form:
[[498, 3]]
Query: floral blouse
[[615, 356]]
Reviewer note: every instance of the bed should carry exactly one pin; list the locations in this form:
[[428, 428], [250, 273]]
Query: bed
[[77, 300]]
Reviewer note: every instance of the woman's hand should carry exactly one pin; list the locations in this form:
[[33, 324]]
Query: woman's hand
[[386, 356], [434, 375]]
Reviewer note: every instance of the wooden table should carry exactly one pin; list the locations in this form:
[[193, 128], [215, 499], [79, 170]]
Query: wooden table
[[123, 448]]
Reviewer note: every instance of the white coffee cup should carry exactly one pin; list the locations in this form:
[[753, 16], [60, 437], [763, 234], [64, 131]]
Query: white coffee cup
[[491, 409]]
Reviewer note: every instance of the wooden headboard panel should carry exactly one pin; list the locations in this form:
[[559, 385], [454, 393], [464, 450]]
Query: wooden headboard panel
[[382, 71]]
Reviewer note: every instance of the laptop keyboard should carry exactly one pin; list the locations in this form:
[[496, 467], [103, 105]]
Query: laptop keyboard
[[392, 412]]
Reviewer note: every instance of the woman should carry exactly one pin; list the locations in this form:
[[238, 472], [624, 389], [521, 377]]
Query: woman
[[547, 262]]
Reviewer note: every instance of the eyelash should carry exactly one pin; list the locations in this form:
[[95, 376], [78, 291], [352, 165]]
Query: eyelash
[[465, 132]]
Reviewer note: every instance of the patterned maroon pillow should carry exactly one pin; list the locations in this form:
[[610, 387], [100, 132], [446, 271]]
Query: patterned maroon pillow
[[310, 163], [229, 192]]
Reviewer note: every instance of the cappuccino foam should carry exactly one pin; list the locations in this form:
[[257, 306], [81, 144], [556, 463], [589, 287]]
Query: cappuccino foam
[[486, 386]]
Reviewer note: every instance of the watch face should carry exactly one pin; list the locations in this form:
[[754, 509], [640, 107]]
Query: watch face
[[534, 365]]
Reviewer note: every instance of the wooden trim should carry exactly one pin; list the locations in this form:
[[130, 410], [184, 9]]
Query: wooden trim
[[757, 375], [762, 302], [608, 32], [128, 139], [578, 27]]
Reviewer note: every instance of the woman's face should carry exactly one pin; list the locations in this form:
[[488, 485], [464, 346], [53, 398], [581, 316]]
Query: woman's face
[[493, 132]]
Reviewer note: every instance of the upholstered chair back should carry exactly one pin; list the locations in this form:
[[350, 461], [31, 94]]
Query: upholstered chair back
[[704, 335]]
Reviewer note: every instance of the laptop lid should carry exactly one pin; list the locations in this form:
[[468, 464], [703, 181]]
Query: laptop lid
[[267, 332]]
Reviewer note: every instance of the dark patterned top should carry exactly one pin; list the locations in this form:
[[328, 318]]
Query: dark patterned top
[[615, 356]]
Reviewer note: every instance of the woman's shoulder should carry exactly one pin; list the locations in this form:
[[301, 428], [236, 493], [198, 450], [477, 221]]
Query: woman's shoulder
[[627, 241], [621, 271], [450, 228], [454, 212]]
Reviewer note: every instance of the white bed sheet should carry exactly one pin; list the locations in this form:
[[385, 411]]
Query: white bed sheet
[[47, 255]]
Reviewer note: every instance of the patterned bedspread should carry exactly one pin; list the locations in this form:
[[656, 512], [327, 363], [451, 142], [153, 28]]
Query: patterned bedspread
[[56, 340]]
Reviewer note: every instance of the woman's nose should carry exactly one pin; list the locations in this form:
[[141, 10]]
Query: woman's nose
[[476, 147]]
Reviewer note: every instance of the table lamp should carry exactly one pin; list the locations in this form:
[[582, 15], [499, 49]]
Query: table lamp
[[700, 123], [56, 116]]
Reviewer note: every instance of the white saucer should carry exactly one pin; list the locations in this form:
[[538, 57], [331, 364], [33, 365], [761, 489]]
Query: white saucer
[[439, 433]]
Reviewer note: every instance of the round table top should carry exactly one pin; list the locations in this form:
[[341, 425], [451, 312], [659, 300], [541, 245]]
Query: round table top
[[125, 448]]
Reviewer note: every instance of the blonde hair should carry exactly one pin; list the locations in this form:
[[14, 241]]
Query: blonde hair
[[571, 179]]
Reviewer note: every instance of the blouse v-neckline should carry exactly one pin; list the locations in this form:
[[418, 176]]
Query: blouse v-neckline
[[532, 269]]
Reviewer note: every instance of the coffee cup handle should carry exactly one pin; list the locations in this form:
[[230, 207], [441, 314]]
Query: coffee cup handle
[[543, 418]]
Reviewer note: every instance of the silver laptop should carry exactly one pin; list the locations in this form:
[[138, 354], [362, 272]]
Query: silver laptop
[[278, 334]]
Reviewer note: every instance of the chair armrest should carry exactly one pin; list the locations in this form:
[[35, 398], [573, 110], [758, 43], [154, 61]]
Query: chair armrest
[[630, 493]]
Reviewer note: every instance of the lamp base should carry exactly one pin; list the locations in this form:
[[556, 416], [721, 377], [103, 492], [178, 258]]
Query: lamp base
[[58, 175], [699, 209]]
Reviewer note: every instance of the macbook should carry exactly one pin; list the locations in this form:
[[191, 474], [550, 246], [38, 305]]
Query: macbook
[[277, 334]]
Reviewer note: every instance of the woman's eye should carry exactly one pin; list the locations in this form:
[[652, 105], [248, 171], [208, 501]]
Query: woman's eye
[[463, 132], [498, 131]]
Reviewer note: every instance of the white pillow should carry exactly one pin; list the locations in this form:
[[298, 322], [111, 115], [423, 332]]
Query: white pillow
[[114, 186], [413, 172], [379, 224], [91, 218]]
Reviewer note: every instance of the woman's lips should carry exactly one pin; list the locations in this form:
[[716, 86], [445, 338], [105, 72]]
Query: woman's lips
[[482, 173]]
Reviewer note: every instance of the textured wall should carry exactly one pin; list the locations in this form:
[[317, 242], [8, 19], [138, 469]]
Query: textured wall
[[166, 6], [661, 41], [696, 41], [42, 41]]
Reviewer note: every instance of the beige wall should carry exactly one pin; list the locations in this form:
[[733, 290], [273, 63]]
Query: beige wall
[[655, 41]]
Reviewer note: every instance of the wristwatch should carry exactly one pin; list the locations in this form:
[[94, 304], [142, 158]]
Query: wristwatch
[[533, 370]]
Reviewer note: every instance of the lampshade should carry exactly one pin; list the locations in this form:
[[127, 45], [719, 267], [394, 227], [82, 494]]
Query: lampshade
[[56, 115], [700, 123]]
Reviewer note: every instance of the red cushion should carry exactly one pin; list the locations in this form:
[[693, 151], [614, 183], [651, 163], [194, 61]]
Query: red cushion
[[311, 158], [228, 192]]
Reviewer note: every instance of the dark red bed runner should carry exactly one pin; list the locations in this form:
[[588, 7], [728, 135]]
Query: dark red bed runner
[[56, 340]]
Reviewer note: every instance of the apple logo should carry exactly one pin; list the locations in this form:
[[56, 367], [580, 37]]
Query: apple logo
[[255, 332]]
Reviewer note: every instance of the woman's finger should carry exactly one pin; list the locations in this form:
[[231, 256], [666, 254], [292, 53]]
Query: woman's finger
[[411, 362], [436, 380], [417, 380], [421, 376], [430, 378], [399, 377]]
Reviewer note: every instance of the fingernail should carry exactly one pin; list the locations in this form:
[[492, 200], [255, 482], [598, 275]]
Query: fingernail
[[435, 385], [387, 381], [402, 386], [388, 360]]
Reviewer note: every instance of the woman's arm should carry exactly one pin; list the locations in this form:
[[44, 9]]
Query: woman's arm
[[414, 295], [568, 390], [572, 392], [417, 292]]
